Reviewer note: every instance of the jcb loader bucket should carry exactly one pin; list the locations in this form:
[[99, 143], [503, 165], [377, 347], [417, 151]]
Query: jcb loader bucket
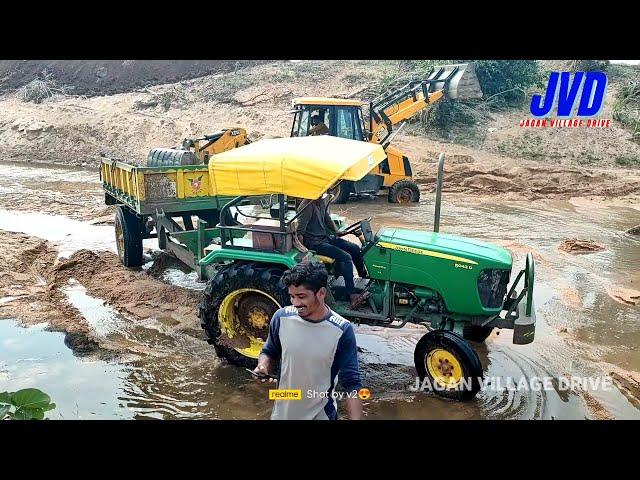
[[459, 81]]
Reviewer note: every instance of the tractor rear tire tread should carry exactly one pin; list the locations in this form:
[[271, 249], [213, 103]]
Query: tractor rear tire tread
[[266, 278]]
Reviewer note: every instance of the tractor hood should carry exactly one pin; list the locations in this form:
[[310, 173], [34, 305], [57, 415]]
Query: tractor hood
[[449, 247]]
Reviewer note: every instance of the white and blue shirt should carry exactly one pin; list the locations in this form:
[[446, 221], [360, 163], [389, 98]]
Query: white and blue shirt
[[314, 356]]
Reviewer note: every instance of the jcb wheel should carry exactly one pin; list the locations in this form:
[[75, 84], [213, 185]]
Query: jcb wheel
[[343, 192], [404, 191]]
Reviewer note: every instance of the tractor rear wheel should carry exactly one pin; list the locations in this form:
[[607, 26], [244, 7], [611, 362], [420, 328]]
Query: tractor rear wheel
[[237, 307], [404, 191], [129, 229], [450, 365]]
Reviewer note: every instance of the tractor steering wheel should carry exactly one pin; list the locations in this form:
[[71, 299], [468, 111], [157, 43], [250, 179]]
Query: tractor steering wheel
[[353, 228]]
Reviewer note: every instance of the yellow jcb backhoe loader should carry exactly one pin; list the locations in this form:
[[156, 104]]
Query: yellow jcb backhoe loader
[[345, 118]]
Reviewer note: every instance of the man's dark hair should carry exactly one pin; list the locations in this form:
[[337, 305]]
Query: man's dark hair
[[311, 275], [315, 119]]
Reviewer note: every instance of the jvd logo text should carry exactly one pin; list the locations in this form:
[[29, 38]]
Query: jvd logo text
[[565, 89]]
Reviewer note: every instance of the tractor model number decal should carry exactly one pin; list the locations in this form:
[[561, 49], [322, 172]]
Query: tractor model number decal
[[460, 265], [429, 253]]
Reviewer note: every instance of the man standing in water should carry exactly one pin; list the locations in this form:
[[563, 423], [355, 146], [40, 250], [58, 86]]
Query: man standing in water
[[315, 346]]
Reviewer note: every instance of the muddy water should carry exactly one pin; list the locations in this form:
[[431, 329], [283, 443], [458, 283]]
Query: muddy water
[[171, 374]]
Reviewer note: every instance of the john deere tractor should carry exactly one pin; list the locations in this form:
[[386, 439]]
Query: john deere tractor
[[458, 288]]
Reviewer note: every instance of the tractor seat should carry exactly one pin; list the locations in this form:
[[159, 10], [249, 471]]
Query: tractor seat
[[325, 260]]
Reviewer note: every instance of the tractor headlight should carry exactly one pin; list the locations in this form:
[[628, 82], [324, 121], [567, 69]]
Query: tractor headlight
[[492, 287]]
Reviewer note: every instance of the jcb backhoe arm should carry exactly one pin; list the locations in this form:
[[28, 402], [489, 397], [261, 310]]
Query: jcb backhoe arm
[[447, 81]]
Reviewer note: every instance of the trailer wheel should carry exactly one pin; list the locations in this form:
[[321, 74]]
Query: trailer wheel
[[237, 307], [129, 232], [343, 192], [452, 368], [404, 191], [476, 333]]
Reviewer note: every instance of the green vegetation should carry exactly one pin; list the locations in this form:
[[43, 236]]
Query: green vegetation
[[26, 404]]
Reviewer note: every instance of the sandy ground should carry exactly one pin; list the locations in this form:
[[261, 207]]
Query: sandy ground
[[33, 279]]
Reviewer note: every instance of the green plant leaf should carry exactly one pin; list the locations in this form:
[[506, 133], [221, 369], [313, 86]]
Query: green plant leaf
[[26, 413], [30, 398], [51, 406], [4, 409], [5, 397], [200, 177]]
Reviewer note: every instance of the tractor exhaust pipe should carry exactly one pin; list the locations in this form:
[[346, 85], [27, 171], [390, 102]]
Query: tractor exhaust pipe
[[436, 219]]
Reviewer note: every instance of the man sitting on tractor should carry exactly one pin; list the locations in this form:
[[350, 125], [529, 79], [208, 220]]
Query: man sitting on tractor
[[318, 232]]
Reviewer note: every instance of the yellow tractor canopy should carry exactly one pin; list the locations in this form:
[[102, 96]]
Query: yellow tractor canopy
[[303, 167]]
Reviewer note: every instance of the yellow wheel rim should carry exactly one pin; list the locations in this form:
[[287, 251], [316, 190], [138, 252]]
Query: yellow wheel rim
[[444, 367], [236, 327]]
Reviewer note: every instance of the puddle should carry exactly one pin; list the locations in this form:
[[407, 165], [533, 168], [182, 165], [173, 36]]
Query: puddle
[[67, 234], [34, 358], [185, 280], [102, 318]]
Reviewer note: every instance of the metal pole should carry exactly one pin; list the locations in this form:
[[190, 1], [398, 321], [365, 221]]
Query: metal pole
[[436, 220]]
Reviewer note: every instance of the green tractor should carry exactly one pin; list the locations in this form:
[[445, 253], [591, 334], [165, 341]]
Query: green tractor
[[458, 288]]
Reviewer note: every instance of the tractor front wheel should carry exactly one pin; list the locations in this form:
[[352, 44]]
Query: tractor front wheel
[[452, 368], [237, 307]]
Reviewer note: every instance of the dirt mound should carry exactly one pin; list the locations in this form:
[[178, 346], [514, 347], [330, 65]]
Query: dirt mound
[[575, 245], [32, 280], [164, 261], [105, 77]]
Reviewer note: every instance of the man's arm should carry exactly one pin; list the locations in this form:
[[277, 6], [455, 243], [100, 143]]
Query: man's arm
[[272, 349], [331, 226], [349, 372], [265, 364]]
